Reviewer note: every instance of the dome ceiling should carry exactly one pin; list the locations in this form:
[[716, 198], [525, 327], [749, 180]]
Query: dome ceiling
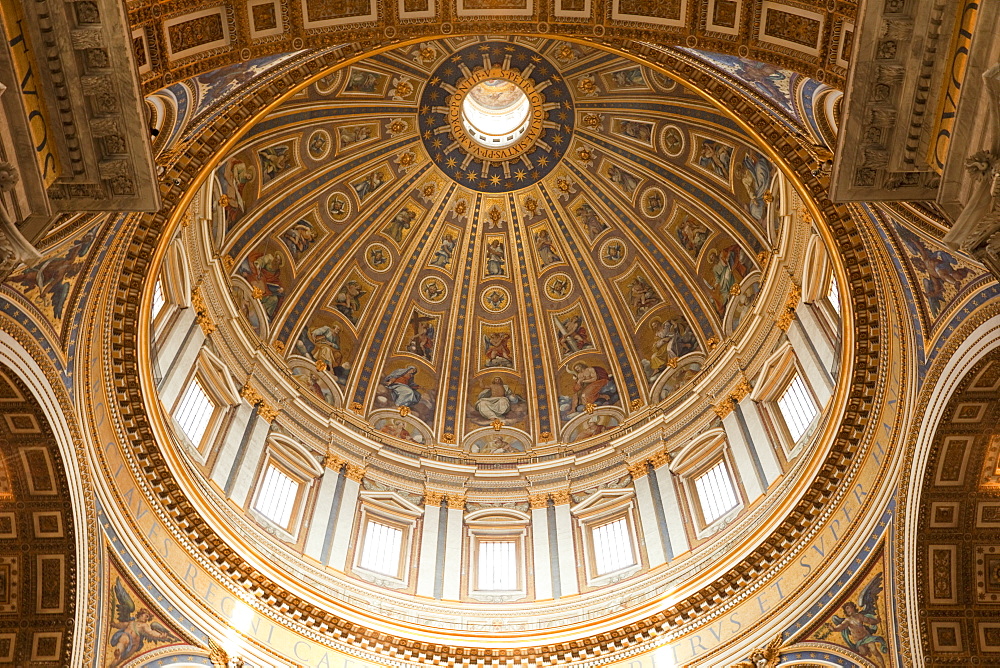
[[494, 299]]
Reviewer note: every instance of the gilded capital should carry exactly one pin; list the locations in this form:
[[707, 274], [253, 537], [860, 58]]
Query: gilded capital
[[432, 498], [538, 500], [638, 469], [661, 458], [724, 407], [560, 497], [355, 472], [332, 461], [456, 501]]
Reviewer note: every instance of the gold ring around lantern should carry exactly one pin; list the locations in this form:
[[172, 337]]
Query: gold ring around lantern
[[530, 134]]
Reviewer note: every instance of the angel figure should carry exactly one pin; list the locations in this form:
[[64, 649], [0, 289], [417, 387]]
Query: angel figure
[[860, 623], [763, 657], [134, 628]]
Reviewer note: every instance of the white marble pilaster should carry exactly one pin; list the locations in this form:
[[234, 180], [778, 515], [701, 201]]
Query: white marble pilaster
[[540, 552], [428, 547], [343, 528], [568, 581], [647, 518], [453, 552], [676, 532], [320, 520]]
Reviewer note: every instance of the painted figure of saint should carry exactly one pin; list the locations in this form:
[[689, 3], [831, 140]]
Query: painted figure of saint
[[348, 300], [642, 296], [496, 350], [586, 214], [442, 256], [496, 400], [403, 387], [572, 335], [546, 248], [496, 258]]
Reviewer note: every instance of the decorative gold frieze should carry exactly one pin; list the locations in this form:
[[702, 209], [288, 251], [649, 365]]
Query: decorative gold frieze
[[787, 313], [638, 469], [332, 461], [724, 407], [201, 311], [538, 500], [661, 458]]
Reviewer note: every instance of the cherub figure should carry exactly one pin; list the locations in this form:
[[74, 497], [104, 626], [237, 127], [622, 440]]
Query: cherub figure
[[134, 628], [763, 657], [859, 624]]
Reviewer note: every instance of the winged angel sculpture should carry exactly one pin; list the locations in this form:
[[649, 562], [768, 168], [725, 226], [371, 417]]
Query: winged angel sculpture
[[134, 628], [763, 657]]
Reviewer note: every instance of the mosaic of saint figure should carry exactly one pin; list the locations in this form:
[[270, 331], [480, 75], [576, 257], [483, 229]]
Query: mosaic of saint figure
[[587, 215], [546, 248], [496, 400], [496, 258], [299, 238], [592, 385], [715, 157], [497, 351], [446, 249], [274, 161], [755, 178], [263, 271], [348, 300], [403, 386], [234, 177], [672, 338], [572, 334], [642, 296], [422, 336], [692, 235]]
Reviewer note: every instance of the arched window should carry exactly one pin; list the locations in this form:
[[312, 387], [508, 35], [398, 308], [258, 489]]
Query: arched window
[[608, 531], [708, 481], [496, 549], [205, 402], [787, 403]]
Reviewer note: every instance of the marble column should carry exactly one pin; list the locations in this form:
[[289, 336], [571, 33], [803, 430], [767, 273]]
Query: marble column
[[748, 464], [452, 582], [237, 433], [652, 537], [319, 525], [540, 555], [759, 440], [343, 527], [817, 375], [568, 581], [430, 527], [674, 518], [177, 371], [244, 468]]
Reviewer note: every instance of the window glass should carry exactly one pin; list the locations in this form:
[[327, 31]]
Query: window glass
[[715, 492], [497, 565], [159, 301], [797, 407], [276, 497], [194, 412], [382, 548], [612, 547]]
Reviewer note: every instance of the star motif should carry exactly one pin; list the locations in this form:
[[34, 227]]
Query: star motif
[[536, 59], [448, 71], [543, 70], [451, 162], [425, 110], [495, 179], [428, 134], [565, 104], [543, 161], [435, 81], [562, 115], [436, 143], [482, 184], [455, 59], [556, 78], [484, 47], [535, 174], [471, 176], [558, 139], [557, 154], [509, 183], [508, 48], [520, 174]]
